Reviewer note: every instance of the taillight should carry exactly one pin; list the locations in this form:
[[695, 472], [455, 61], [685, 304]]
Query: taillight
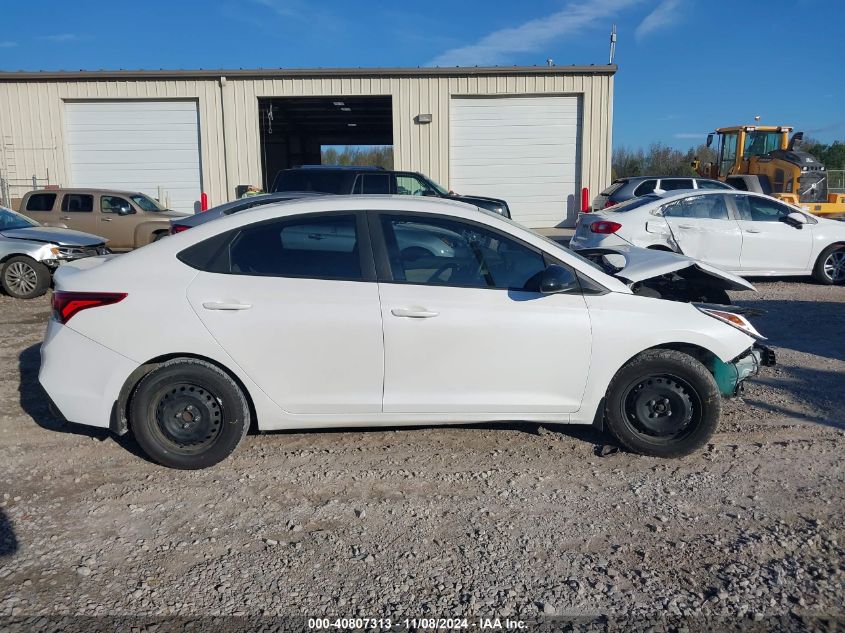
[[178, 228], [609, 203], [605, 227], [67, 304]]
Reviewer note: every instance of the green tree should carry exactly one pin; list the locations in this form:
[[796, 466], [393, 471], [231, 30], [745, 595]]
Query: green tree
[[374, 155]]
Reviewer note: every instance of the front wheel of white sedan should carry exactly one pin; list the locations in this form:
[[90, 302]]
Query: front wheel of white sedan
[[188, 414], [830, 266], [663, 403]]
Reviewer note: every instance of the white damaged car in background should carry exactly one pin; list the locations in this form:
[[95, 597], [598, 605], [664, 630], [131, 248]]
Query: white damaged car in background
[[30, 253]]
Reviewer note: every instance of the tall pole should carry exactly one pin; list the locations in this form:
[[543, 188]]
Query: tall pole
[[612, 43]]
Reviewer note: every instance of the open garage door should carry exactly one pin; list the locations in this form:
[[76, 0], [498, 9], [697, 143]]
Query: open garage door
[[294, 129], [146, 146], [525, 150]]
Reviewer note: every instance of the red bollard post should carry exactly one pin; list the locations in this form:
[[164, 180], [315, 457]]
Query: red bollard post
[[203, 201], [585, 200]]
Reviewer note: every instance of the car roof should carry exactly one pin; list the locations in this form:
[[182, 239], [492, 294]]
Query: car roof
[[120, 192], [342, 167], [636, 178]]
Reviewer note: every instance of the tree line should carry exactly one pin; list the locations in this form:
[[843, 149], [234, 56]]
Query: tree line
[[662, 160], [376, 155]]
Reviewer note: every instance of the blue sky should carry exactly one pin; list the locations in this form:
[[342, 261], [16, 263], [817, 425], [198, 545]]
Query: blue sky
[[685, 66]]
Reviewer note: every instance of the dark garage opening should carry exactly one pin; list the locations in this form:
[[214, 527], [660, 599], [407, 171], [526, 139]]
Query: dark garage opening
[[293, 129]]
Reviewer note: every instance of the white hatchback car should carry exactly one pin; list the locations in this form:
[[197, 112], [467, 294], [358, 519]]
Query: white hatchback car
[[745, 233], [306, 314]]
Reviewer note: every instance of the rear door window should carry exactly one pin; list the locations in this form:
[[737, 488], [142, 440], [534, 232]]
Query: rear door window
[[673, 184], [41, 202], [698, 207], [77, 203], [322, 247]]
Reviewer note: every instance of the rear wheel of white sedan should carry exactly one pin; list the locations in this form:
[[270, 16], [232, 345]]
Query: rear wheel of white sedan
[[188, 414], [663, 403], [25, 278], [830, 266]]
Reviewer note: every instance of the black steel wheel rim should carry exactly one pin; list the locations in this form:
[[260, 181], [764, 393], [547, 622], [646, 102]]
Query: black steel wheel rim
[[661, 408], [188, 418]]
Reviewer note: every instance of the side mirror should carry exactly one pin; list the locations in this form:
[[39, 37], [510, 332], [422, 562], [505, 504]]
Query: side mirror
[[709, 140], [794, 219], [125, 209], [557, 279]]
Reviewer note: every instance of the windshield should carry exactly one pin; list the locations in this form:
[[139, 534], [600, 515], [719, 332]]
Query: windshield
[[10, 220], [760, 143], [439, 189], [146, 203]]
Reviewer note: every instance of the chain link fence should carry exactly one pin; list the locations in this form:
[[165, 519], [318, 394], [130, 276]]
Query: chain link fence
[[836, 180], [13, 189]]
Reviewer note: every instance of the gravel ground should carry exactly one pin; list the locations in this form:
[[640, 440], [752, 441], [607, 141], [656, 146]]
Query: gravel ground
[[515, 521]]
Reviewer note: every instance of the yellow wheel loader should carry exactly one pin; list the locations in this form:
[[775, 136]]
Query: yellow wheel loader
[[763, 158]]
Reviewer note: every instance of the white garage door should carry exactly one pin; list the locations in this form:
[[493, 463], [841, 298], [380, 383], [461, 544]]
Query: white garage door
[[521, 149], [147, 146]]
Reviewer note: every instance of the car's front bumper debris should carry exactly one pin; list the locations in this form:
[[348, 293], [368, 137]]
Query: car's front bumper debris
[[730, 376]]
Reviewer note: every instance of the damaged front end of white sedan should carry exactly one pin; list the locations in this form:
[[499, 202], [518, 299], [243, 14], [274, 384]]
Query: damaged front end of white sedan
[[666, 275]]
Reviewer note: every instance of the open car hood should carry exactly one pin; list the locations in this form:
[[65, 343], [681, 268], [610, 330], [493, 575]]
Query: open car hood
[[633, 264]]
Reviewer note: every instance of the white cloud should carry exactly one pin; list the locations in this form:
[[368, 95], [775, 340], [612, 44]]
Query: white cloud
[[8, 44], [532, 36], [665, 14], [60, 37]]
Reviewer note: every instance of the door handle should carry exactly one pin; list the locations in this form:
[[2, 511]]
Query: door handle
[[106, 219], [413, 313], [686, 226], [753, 231], [64, 217], [226, 305]]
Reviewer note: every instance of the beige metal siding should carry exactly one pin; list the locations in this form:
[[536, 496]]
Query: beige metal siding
[[32, 126]]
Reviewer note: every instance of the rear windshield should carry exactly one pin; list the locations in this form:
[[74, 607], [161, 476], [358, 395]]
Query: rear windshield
[[314, 180], [613, 187], [630, 205]]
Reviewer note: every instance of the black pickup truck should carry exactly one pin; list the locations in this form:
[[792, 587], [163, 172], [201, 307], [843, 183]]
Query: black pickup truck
[[373, 180]]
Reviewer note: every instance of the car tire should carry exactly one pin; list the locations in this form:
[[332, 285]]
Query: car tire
[[663, 403], [188, 414], [24, 278], [830, 266], [159, 235]]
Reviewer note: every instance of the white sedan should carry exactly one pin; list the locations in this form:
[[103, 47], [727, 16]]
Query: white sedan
[[187, 341], [745, 233]]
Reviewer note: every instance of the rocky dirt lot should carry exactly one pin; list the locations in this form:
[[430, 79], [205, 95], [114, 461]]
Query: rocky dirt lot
[[514, 520]]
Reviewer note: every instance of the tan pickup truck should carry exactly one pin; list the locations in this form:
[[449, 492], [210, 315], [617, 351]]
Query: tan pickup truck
[[126, 219]]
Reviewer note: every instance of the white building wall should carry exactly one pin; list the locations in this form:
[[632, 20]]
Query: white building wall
[[32, 114]]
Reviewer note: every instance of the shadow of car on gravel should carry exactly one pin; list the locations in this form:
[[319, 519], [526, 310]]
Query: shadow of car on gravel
[[35, 403], [812, 327], [8, 540]]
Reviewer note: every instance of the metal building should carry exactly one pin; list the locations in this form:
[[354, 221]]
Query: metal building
[[531, 135]]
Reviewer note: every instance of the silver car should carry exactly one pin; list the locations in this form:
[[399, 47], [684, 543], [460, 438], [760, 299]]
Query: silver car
[[29, 253]]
